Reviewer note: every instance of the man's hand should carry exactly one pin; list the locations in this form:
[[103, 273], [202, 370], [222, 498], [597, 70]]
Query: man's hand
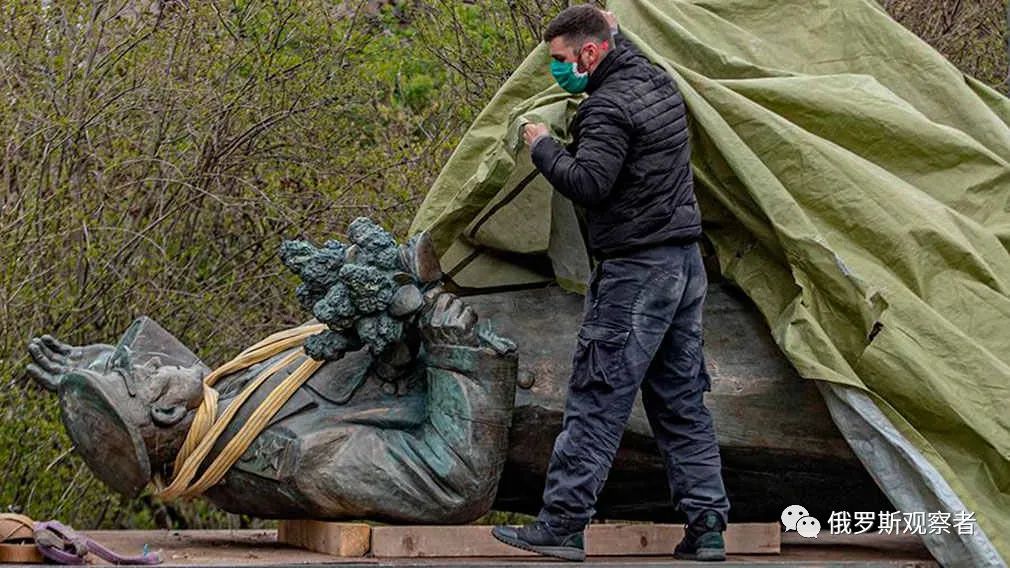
[[532, 131]]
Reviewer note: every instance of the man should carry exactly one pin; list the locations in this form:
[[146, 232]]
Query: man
[[631, 172]]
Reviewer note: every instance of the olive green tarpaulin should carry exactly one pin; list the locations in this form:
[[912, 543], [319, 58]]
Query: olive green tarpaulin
[[854, 183]]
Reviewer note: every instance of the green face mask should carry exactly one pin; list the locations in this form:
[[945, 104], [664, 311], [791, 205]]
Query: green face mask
[[568, 76]]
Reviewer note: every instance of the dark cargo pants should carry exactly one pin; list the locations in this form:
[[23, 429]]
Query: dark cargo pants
[[641, 329]]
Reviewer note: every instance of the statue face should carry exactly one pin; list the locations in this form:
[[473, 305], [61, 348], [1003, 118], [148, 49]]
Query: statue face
[[128, 417]]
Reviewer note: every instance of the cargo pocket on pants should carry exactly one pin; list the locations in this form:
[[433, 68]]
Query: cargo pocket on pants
[[703, 376], [599, 357]]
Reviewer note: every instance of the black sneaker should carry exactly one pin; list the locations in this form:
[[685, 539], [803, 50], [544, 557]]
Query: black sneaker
[[703, 539], [538, 537]]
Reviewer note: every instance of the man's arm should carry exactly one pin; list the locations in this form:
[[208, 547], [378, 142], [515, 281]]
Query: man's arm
[[588, 176]]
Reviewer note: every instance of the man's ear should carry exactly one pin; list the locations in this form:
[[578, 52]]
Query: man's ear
[[599, 51]]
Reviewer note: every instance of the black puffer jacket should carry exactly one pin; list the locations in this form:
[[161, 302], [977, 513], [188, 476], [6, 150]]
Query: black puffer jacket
[[631, 166]]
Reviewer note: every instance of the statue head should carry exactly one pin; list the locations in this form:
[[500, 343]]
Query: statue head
[[127, 418]]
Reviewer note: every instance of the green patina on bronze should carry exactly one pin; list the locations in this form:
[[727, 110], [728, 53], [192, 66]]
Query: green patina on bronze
[[352, 290]]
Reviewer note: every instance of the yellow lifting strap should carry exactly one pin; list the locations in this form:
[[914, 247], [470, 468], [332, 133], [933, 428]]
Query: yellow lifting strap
[[207, 426], [17, 540]]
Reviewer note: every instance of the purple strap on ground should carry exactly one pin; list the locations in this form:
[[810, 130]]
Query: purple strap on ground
[[81, 544]]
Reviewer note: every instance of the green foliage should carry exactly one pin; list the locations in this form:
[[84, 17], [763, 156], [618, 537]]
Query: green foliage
[[973, 35], [504, 518]]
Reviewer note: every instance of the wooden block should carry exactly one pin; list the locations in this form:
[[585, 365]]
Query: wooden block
[[753, 538], [337, 539], [659, 540], [601, 540], [440, 541]]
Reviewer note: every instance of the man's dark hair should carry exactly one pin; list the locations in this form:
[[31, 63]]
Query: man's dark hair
[[577, 24]]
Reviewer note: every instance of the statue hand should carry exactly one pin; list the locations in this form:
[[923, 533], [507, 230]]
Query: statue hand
[[51, 359], [447, 319]]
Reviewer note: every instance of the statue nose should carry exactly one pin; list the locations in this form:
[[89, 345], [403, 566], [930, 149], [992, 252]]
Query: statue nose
[[167, 415]]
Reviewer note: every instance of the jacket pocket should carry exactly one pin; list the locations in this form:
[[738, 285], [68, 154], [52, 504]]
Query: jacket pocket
[[599, 356]]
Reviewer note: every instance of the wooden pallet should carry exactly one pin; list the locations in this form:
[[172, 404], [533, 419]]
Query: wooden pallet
[[472, 541]]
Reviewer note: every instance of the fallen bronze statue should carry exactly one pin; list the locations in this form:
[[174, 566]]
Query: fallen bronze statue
[[398, 403]]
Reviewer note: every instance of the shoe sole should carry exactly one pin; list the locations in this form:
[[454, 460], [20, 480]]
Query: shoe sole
[[569, 553], [703, 555]]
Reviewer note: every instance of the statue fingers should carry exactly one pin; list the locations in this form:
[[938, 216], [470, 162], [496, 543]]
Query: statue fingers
[[451, 320], [441, 305], [453, 311], [42, 360], [434, 300], [432, 294], [54, 356], [36, 372], [468, 318], [461, 327], [459, 315], [443, 335], [57, 346], [46, 380], [35, 350]]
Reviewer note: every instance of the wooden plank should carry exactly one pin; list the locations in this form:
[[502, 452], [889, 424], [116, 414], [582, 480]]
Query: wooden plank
[[601, 540], [249, 548], [441, 541], [259, 548], [336, 539], [659, 540]]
